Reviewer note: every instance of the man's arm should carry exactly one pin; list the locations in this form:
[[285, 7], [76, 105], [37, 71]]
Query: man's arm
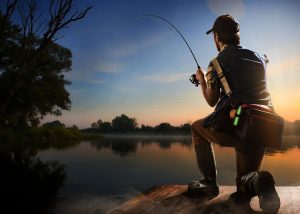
[[210, 92]]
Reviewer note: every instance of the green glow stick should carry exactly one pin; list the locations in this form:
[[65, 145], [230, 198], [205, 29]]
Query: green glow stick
[[239, 110], [236, 121]]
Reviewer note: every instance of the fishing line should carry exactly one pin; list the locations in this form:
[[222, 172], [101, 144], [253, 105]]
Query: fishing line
[[173, 26], [177, 47]]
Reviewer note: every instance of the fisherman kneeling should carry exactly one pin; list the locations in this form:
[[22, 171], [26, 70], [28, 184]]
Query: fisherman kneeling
[[245, 78]]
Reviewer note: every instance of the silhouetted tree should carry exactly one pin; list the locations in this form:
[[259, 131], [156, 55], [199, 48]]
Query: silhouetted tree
[[164, 128], [105, 127], [185, 127], [145, 128], [32, 64], [94, 125], [75, 127], [54, 124], [124, 123], [101, 126], [97, 125], [297, 126]]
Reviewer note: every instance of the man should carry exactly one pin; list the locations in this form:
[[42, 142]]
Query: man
[[245, 73]]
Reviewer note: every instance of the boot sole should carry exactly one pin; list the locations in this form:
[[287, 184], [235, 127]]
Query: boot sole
[[269, 200]]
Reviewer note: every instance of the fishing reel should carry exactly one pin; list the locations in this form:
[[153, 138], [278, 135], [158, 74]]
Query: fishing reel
[[194, 80]]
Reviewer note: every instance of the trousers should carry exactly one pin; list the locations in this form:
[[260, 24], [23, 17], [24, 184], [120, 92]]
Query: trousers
[[248, 158]]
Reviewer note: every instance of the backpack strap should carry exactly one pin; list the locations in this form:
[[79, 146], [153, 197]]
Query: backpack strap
[[222, 77]]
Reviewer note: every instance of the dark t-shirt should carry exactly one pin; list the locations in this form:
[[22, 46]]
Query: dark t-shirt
[[245, 72]]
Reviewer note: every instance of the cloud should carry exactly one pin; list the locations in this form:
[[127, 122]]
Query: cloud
[[84, 77], [109, 60], [107, 67], [131, 47], [166, 77]]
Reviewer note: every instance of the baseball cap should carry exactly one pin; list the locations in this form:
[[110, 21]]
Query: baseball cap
[[225, 24]]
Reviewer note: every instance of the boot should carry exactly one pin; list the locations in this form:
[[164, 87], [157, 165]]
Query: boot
[[261, 184], [207, 166]]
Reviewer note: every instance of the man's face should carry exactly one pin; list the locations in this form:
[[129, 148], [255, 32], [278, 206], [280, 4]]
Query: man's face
[[216, 39]]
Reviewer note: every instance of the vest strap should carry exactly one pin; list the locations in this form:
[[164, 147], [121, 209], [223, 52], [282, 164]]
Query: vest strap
[[221, 77]]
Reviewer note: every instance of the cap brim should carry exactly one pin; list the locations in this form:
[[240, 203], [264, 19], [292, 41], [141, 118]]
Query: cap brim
[[208, 32]]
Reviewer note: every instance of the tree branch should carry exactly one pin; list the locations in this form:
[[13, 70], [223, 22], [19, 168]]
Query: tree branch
[[10, 8]]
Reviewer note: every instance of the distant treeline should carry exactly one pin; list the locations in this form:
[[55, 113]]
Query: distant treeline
[[291, 128], [57, 132], [125, 124], [54, 132]]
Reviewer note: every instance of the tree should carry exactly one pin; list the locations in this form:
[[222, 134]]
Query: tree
[[185, 127], [54, 124], [32, 64], [145, 128], [124, 123], [101, 126], [94, 125], [75, 127], [297, 127], [105, 127], [164, 127]]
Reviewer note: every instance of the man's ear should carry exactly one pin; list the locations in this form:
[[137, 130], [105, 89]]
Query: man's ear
[[216, 37]]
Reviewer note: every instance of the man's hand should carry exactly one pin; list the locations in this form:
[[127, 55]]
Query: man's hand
[[200, 76], [211, 95]]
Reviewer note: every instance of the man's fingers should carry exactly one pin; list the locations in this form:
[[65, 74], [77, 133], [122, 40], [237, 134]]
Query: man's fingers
[[200, 71], [199, 74]]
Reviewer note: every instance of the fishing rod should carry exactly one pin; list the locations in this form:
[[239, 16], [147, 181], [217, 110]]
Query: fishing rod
[[193, 77]]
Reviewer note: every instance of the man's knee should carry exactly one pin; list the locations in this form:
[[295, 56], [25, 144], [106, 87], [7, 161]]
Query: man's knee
[[196, 126], [198, 132]]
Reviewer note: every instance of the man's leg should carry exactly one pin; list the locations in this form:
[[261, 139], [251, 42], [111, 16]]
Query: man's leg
[[248, 161], [201, 137], [253, 182]]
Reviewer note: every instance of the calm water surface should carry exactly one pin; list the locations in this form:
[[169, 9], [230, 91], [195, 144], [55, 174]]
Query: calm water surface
[[104, 173]]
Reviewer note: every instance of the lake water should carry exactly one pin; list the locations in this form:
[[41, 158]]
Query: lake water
[[104, 173]]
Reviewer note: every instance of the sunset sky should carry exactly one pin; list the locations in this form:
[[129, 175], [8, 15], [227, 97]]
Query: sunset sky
[[139, 67]]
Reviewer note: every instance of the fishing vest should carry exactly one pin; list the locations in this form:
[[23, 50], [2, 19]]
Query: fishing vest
[[245, 72]]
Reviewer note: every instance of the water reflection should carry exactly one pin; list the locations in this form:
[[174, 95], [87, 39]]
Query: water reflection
[[120, 147], [115, 166], [27, 184], [125, 145], [289, 142], [109, 171]]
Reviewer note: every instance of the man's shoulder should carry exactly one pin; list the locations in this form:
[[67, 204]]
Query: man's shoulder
[[235, 49], [237, 52]]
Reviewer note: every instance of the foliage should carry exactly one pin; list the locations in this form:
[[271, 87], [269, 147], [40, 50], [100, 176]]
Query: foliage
[[123, 123], [54, 124], [32, 64], [163, 127], [291, 128], [53, 134]]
